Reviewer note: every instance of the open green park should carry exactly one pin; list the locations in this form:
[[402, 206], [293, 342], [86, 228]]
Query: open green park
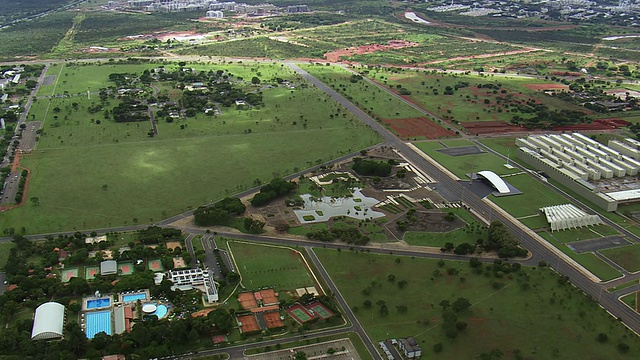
[[628, 257], [260, 265], [84, 170], [531, 312]]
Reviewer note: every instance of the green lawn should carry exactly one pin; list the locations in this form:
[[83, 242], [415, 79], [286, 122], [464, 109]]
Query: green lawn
[[261, 266], [623, 286], [439, 239], [534, 196], [191, 162], [590, 261], [630, 300], [628, 257], [462, 165], [533, 312], [585, 233]]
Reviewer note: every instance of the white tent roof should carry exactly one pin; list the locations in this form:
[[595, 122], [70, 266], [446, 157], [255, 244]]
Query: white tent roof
[[496, 181], [108, 267], [49, 321]]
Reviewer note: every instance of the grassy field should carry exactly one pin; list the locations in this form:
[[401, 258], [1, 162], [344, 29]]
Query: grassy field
[[509, 318], [591, 232], [467, 103], [630, 300], [628, 257], [534, 196], [623, 286], [589, 260], [189, 163], [268, 266], [455, 237], [462, 165]]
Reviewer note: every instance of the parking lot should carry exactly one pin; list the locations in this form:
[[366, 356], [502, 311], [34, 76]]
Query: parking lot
[[10, 188], [594, 245]]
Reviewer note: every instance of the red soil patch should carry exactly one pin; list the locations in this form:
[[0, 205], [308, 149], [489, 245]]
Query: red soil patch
[[367, 49], [249, 323], [273, 320], [598, 124], [416, 127], [491, 127], [202, 312], [547, 87]]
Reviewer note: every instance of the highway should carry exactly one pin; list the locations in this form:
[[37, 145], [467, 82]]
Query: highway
[[527, 238]]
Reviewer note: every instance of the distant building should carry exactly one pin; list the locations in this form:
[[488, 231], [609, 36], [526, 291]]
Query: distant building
[[297, 9], [4, 97], [410, 348], [95, 239], [189, 278], [214, 14], [48, 322]]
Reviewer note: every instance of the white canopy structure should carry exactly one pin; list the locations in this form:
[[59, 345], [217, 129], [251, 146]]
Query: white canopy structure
[[48, 322], [495, 180], [108, 267], [567, 216]]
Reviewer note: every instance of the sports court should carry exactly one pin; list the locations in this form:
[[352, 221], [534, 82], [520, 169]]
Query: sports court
[[67, 274], [269, 297], [125, 268], [272, 320], [249, 323], [461, 150], [96, 322], [90, 272], [155, 265], [247, 300], [299, 314], [320, 310]]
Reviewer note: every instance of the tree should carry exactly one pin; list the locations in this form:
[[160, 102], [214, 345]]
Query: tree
[[460, 305], [437, 347], [35, 200], [603, 338], [300, 355], [255, 80], [222, 319]]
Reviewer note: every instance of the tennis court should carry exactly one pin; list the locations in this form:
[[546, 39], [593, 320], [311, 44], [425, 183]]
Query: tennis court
[[90, 272], [320, 310], [299, 314], [99, 321], [155, 265], [273, 321], [67, 274], [249, 323], [247, 300], [125, 268]]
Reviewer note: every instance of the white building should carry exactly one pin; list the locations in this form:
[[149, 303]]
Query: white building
[[214, 14], [108, 267], [189, 278], [48, 322]]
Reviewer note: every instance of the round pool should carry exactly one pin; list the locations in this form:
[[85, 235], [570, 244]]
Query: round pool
[[161, 311]]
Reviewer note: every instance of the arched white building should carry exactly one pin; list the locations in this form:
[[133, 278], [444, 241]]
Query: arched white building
[[48, 322], [495, 180]]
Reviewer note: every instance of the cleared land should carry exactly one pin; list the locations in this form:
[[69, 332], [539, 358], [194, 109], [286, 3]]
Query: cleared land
[[267, 266], [510, 318], [187, 165]]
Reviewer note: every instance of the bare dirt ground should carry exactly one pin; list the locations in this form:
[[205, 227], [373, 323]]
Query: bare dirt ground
[[335, 55], [429, 221]]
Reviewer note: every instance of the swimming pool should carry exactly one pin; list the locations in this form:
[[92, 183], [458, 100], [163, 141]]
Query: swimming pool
[[134, 297], [97, 322], [161, 310], [98, 303]]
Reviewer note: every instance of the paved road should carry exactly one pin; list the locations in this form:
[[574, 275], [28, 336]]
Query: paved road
[[188, 241], [528, 239]]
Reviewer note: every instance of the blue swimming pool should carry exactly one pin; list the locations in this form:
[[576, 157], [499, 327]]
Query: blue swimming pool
[[98, 303], [97, 322], [161, 311], [134, 297]]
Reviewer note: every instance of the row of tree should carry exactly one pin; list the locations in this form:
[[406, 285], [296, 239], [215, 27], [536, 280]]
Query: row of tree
[[274, 189]]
